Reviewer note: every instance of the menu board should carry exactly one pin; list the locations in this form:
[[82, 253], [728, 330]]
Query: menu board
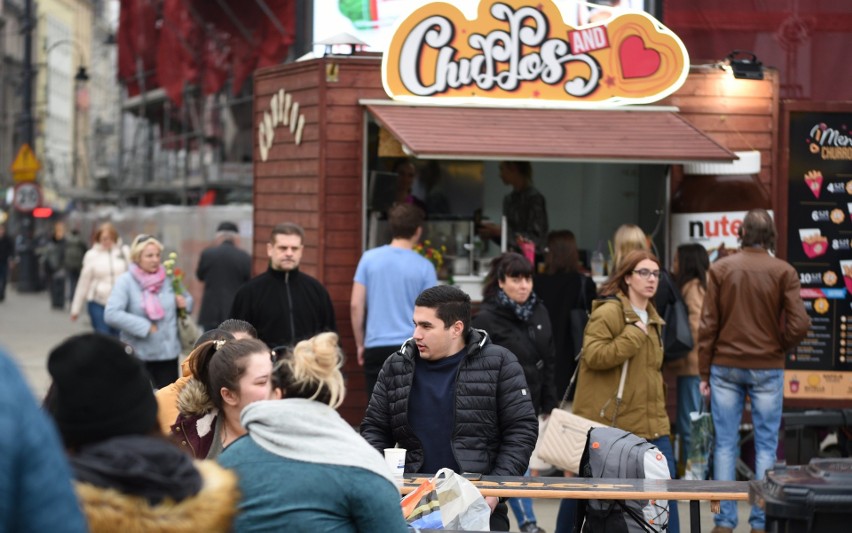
[[818, 246]]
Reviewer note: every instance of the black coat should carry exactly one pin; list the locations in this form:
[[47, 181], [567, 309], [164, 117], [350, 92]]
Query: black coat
[[284, 307], [495, 423], [560, 293], [223, 269], [532, 344]]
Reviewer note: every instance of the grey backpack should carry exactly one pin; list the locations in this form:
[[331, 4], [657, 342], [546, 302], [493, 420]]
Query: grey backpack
[[615, 453]]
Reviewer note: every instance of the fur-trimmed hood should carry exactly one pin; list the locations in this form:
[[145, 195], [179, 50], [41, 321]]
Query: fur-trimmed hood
[[193, 399], [212, 509]]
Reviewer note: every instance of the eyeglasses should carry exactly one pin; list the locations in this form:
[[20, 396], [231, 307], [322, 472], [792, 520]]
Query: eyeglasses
[[644, 273], [142, 238]]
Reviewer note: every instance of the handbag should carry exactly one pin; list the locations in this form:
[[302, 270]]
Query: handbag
[[188, 332], [677, 336], [564, 439]]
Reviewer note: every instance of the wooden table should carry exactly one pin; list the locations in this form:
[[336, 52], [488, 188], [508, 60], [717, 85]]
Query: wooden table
[[607, 489]]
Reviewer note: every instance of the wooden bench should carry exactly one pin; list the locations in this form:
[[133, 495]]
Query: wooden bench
[[606, 489]]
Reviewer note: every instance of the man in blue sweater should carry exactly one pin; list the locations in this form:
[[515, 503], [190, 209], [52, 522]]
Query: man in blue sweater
[[463, 378]]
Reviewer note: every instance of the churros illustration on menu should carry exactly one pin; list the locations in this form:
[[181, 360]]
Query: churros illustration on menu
[[813, 242], [813, 179]]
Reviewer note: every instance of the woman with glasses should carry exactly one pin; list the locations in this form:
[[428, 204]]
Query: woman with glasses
[[143, 307], [302, 467], [624, 334], [227, 376], [103, 263]]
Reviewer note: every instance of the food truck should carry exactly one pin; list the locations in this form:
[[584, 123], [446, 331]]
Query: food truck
[[619, 124]]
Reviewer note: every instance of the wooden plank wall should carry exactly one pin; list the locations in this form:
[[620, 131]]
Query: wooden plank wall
[[738, 114], [318, 184]]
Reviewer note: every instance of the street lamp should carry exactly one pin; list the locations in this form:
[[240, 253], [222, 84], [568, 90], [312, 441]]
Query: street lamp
[[80, 100]]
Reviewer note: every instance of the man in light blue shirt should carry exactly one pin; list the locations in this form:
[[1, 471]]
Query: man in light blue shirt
[[387, 282]]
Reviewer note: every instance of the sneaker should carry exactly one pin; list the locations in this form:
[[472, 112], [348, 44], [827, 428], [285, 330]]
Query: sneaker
[[722, 529], [531, 527]]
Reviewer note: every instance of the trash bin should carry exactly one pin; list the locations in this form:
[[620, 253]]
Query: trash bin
[[814, 497]]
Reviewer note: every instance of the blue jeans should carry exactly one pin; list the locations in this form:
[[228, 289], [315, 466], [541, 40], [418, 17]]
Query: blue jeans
[[728, 389], [96, 315], [522, 508], [688, 400], [568, 508]]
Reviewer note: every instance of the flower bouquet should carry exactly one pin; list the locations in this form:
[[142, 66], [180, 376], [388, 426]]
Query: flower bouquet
[[434, 255], [188, 332]]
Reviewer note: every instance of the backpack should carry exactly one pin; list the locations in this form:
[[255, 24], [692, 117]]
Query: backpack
[[615, 453]]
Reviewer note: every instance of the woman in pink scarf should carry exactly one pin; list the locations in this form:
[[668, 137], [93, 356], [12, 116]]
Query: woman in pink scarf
[[143, 307]]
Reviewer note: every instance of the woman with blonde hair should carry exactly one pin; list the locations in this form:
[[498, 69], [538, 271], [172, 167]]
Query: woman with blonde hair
[[300, 436], [103, 263], [143, 307], [628, 237]]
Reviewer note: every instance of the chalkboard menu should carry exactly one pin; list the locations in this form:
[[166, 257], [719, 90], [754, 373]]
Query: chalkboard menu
[[818, 246]]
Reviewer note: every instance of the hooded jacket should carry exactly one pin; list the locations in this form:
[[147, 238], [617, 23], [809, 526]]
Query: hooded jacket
[[495, 426], [141, 483], [610, 339], [194, 429]]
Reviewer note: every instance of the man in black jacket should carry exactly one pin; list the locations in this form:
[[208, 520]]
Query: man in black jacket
[[284, 304], [223, 268], [461, 377]]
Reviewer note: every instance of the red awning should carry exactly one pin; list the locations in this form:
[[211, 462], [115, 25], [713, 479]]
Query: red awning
[[489, 133]]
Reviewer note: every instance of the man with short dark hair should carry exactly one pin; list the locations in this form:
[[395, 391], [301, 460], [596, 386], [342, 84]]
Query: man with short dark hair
[[387, 281], [285, 304], [223, 268], [469, 408], [753, 315]]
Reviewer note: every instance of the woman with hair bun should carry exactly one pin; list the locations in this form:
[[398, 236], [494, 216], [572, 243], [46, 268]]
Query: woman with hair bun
[[344, 483], [227, 376]]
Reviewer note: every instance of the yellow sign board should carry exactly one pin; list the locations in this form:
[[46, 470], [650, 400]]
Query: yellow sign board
[[523, 52], [25, 166], [818, 384]]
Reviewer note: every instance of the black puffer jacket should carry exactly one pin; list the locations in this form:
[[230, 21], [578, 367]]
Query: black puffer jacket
[[495, 423], [532, 343]]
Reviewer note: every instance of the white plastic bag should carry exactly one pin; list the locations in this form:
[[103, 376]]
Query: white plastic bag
[[459, 504]]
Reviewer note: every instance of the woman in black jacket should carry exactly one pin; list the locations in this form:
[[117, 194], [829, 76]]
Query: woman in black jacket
[[515, 319]]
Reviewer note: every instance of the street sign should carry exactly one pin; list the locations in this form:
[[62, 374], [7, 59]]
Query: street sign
[[25, 166], [27, 196]]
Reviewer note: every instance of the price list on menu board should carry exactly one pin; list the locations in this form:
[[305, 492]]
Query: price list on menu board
[[819, 236]]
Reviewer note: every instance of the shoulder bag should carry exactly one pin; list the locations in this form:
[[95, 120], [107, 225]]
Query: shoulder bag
[[188, 332], [677, 337], [564, 439]]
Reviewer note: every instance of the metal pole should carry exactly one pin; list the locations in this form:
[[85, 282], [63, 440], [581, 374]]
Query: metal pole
[[25, 246]]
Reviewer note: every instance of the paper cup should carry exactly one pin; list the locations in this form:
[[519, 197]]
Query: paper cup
[[813, 243], [846, 271], [395, 458]]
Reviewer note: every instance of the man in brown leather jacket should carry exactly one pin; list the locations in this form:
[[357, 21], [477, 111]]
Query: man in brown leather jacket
[[752, 316]]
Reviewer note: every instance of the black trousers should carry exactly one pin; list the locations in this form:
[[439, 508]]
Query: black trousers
[[162, 373], [500, 518]]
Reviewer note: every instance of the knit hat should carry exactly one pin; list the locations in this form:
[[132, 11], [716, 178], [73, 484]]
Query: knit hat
[[228, 226], [100, 390]]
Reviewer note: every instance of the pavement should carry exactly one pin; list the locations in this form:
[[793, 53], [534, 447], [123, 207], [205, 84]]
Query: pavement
[[30, 329]]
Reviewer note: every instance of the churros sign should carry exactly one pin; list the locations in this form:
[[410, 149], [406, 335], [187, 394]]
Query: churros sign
[[523, 52]]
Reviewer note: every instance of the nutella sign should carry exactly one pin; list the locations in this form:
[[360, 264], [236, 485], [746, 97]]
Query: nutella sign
[[717, 232], [522, 52]]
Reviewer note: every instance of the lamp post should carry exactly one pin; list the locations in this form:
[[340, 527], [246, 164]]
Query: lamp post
[[80, 97]]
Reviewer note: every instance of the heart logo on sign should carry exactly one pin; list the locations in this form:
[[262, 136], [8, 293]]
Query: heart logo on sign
[[636, 60]]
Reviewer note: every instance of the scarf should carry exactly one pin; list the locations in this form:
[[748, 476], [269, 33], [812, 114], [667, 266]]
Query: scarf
[[151, 285], [150, 467], [523, 311], [310, 431]]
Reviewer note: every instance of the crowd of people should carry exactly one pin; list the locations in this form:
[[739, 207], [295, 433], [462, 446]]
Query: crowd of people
[[133, 436]]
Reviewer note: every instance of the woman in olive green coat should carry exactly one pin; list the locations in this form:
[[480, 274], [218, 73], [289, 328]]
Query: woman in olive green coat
[[625, 326]]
